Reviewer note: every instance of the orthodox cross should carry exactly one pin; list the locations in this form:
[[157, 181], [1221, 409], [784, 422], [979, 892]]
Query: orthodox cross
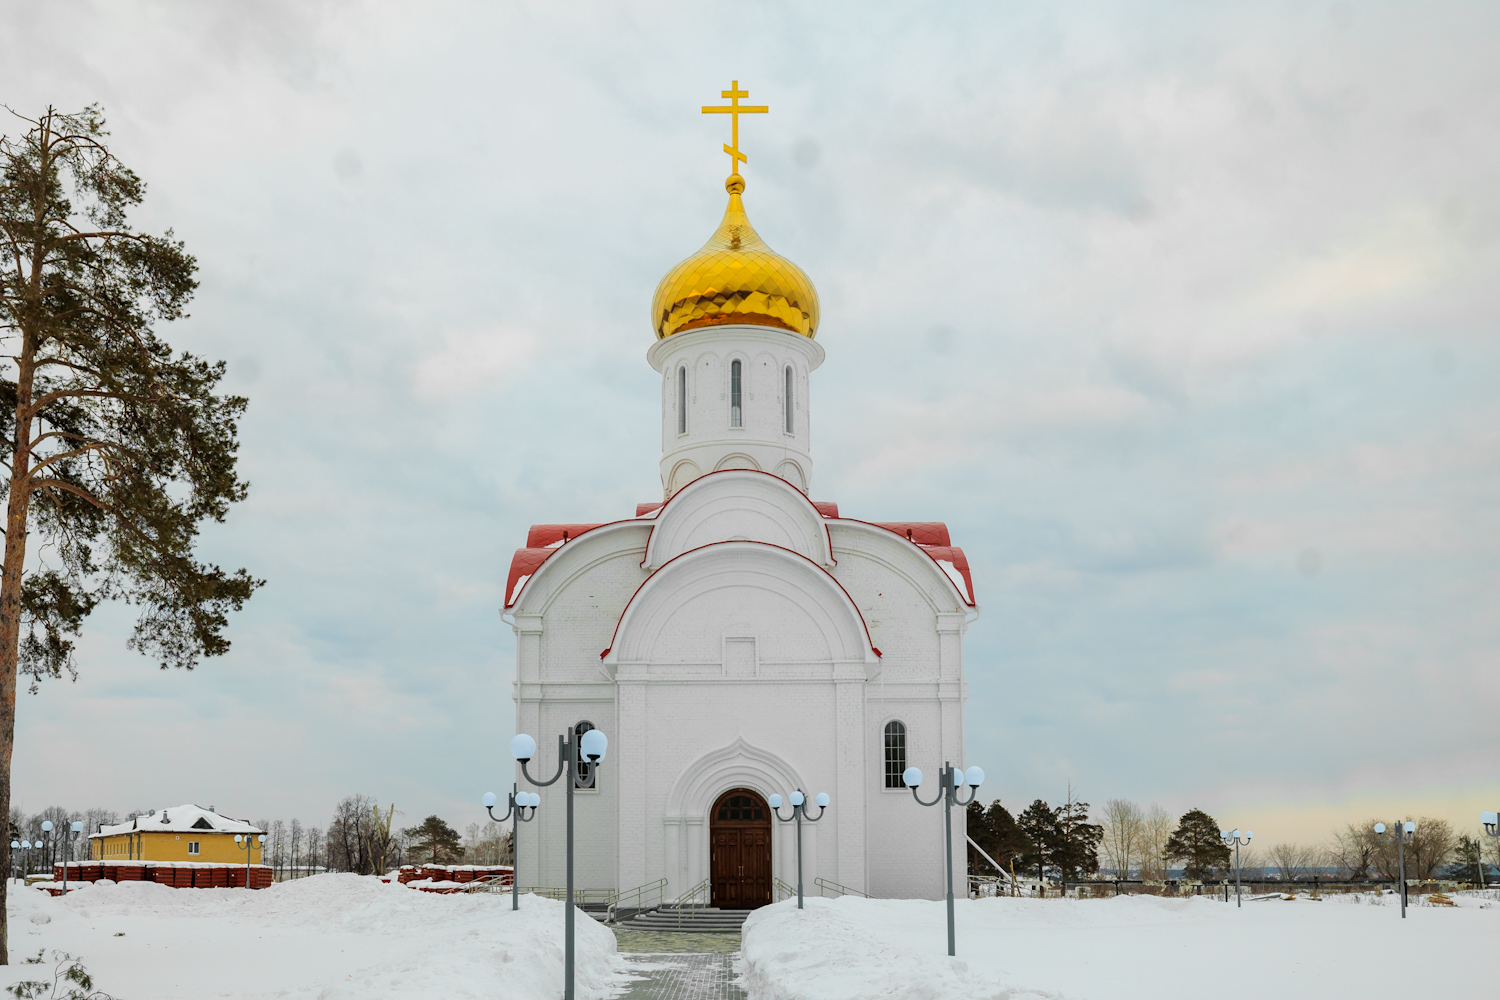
[[734, 110]]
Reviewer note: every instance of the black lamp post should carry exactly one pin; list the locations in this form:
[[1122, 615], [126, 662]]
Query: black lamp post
[[952, 780], [799, 809], [515, 810], [592, 745]]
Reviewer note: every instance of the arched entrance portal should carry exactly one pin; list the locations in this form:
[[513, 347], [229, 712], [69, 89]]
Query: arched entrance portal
[[740, 857]]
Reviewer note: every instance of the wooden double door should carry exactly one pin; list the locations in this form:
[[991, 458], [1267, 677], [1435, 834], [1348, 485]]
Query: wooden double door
[[740, 854]]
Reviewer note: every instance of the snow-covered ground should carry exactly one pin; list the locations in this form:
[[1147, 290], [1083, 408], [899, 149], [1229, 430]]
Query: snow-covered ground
[[1132, 948], [330, 937]]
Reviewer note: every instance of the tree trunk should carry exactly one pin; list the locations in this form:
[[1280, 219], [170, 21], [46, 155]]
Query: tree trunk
[[10, 623]]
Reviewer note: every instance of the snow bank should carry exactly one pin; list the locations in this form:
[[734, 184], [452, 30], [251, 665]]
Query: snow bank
[[331, 937], [1131, 948]]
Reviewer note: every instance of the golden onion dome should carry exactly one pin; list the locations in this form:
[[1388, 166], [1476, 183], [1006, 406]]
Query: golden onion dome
[[735, 278]]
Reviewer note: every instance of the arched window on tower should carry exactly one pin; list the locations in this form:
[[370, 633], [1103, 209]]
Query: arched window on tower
[[736, 410], [895, 753], [789, 397], [584, 768], [682, 400]]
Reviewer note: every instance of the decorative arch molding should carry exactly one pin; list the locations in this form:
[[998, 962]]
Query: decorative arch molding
[[740, 764], [738, 504], [737, 461], [683, 473], [800, 604], [792, 473]]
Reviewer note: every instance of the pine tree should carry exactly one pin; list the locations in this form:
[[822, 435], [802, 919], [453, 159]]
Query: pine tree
[[995, 830], [1196, 841], [1039, 824], [114, 449], [1077, 853], [435, 839]]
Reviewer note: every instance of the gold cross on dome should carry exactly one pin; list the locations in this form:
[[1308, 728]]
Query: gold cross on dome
[[734, 110]]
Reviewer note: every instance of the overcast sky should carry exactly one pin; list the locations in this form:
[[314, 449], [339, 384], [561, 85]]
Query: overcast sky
[[1182, 316]]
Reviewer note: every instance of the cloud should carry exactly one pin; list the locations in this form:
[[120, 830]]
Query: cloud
[[474, 361]]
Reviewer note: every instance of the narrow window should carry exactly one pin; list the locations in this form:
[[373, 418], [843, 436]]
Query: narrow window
[[682, 401], [193, 847], [735, 411], [895, 754], [585, 769], [789, 399]]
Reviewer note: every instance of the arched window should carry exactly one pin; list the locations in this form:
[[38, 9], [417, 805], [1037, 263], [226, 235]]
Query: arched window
[[682, 401], [789, 398], [585, 769], [895, 753], [736, 411]]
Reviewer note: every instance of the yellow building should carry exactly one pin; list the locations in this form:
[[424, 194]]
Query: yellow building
[[181, 833]]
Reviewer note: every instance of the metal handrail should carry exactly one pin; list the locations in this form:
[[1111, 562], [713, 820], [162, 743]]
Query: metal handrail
[[689, 900], [784, 891], [581, 897], [842, 890], [639, 893]]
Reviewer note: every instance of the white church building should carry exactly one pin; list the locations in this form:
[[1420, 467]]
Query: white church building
[[736, 638]]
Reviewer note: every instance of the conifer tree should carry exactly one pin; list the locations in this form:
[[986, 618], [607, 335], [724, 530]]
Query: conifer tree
[[1197, 843], [114, 448], [995, 830], [1077, 853], [436, 839], [1039, 823]]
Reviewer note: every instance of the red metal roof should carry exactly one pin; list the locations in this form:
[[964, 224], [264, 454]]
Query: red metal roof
[[921, 532], [543, 536]]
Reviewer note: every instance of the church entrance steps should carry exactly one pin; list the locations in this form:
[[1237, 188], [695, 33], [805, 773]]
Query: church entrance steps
[[689, 920]]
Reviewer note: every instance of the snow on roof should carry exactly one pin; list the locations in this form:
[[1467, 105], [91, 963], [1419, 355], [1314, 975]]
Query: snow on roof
[[179, 819]]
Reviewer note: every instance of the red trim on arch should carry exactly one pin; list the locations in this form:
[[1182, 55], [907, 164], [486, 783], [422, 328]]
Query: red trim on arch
[[822, 507], [931, 537], [740, 541], [540, 544]]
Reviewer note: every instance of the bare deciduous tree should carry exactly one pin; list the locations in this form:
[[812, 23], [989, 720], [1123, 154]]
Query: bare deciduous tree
[[1156, 829], [1293, 861], [1124, 835]]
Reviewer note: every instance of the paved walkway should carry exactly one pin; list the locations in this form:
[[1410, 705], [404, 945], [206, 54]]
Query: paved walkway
[[683, 977]]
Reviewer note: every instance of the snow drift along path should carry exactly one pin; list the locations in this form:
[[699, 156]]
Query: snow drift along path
[[1132, 948], [330, 937]]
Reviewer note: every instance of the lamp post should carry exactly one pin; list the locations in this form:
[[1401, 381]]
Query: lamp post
[[47, 839], [1400, 837], [68, 837], [516, 805], [15, 846], [26, 846], [593, 744], [244, 843], [1491, 823], [1233, 837], [951, 780], [799, 809]]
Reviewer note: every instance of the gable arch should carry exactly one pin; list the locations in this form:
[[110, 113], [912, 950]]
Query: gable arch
[[796, 611], [738, 504]]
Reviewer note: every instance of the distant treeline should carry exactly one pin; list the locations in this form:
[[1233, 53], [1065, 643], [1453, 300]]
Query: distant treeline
[[1131, 842]]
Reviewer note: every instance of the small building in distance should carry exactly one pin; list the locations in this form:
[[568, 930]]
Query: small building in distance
[[181, 833]]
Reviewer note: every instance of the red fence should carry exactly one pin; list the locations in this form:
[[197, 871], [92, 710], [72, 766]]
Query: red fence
[[452, 878], [179, 874]]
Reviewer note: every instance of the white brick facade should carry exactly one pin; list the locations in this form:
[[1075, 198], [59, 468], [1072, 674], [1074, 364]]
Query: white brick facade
[[740, 636]]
